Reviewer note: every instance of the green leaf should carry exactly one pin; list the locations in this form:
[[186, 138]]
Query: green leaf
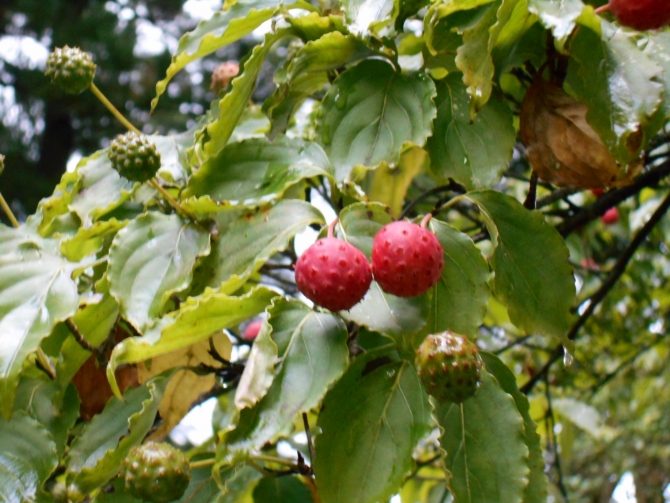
[[657, 49], [620, 86], [458, 301], [150, 259], [24, 241], [559, 16], [226, 112], [395, 317], [474, 153], [254, 171], [306, 74], [27, 457], [313, 353], [370, 111], [532, 275], [445, 9], [223, 28], [250, 241], [53, 407], [282, 490], [364, 16], [331, 51], [197, 319], [474, 57], [97, 455], [389, 184], [536, 490], [484, 438], [371, 422], [36, 292], [99, 188], [88, 241], [521, 39]]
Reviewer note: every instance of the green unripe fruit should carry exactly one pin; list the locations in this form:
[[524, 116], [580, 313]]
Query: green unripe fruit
[[156, 472], [449, 366], [70, 68], [134, 157]]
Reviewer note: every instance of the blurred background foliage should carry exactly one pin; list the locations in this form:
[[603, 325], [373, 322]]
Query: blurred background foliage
[[605, 412]]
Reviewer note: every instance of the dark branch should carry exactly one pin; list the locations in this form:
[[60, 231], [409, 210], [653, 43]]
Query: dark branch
[[614, 275], [613, 198], [451, 186]]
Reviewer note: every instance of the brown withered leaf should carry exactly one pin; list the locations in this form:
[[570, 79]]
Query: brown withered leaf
[[93, 387], [185, 386], [562, 147]]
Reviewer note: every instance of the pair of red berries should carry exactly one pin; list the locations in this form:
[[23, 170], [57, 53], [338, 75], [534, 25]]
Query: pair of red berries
[[407, 260]]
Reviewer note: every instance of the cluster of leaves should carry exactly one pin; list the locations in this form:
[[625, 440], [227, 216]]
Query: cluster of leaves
[[370, 115]]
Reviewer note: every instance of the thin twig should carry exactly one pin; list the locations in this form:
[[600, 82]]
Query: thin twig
[[614, 275], [308, 432], [114, 111], [172, 201], [451, 186], [598, 386], [532, 192], [8, 212], [551, 438]]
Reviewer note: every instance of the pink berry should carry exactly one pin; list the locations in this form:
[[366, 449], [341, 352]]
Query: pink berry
[[407, 259], [610, 217], [641, 14], [333, 274], [251, 332]]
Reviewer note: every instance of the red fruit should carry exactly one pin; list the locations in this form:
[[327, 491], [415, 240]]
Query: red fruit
[[597, 192], [333, 273], [251, 332], [641, 14], [610, 217], [407, 259]]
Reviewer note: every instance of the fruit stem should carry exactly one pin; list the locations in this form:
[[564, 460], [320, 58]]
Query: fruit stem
[[273, 459], [194, 465], [103, 99], [602, 8], [331, 227], [8, 211], [172, 201], [426, 219]]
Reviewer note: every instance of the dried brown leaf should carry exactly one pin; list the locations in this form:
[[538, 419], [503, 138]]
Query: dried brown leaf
[[562, 147]]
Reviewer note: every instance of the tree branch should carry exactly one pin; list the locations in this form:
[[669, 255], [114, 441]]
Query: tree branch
[[614, 275], [613, 198]]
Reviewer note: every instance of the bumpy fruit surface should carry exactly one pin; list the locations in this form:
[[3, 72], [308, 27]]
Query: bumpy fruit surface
[[641, 14], [407, 259], [610, 217], [71, 69], [252, 330], [134, 157], [333, 274], [449, 366], [156, 472]]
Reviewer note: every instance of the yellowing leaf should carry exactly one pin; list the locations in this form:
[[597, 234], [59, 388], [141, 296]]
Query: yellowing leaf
[[185, 386]]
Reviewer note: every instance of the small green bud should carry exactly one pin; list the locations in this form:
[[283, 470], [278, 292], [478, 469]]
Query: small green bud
[[134, 157], [70, 68]]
